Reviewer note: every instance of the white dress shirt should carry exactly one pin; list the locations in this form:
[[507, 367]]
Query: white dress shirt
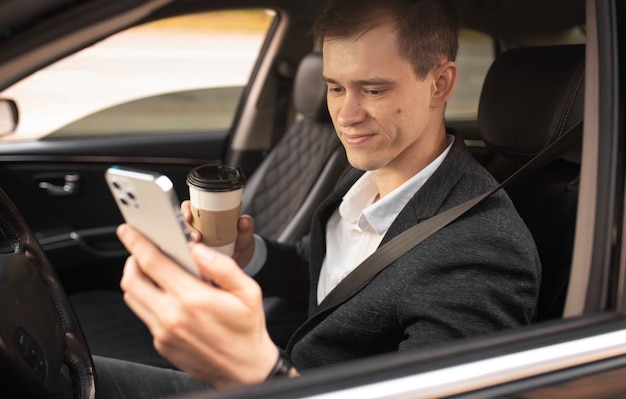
[[357, 227]]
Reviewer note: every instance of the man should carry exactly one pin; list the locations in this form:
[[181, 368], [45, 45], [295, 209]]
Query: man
[[390, 70]]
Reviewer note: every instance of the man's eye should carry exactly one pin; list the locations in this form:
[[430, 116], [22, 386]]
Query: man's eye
[[374, 92], [335, 90]]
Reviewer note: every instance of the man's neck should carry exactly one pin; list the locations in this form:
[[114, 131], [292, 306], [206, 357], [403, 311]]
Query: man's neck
[[408, 165]]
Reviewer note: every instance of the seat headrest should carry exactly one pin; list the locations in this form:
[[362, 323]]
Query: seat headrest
[[530, 97], [309, 90]]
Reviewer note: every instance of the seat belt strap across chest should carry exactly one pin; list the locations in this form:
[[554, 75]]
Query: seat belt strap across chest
[[408, 239]]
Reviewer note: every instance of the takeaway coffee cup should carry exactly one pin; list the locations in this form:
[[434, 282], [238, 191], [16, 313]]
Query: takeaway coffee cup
[[215, 194]]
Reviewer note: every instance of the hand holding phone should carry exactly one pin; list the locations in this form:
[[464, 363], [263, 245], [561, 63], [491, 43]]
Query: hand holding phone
[[148, 202]]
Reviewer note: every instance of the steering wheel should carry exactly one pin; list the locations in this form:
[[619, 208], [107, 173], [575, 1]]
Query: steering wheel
[[39, 331]]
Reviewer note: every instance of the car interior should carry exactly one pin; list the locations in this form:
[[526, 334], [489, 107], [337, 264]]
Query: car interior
[[546, 197], [531, 96]]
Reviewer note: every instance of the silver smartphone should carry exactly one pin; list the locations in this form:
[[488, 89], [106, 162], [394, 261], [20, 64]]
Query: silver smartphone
[[148, 202]]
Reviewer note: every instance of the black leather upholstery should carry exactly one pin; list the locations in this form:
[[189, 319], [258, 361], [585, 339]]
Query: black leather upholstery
[[532, 96], [301, 170]]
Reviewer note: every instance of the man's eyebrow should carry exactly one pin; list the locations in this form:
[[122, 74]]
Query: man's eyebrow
[[363, 82]]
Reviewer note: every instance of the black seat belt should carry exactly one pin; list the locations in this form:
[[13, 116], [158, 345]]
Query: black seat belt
[[408, 239]]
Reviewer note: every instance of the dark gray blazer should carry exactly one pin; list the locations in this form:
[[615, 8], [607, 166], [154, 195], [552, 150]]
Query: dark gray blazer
[[479, 274]]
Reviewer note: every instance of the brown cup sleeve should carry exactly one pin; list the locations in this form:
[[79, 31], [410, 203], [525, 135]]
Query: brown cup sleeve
[[217, 228]]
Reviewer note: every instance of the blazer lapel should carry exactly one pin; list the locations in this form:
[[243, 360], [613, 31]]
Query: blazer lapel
[[430, 199]]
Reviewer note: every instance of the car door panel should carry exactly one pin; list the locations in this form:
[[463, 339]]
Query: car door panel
[[64, 198]]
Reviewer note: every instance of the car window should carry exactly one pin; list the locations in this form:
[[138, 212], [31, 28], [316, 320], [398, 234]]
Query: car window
[[475, 55], [181, 74]]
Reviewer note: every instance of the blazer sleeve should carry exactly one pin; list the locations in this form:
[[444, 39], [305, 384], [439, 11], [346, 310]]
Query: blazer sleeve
[[285, 272]]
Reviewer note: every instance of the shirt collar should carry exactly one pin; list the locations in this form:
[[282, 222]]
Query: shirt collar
[[358, 206]]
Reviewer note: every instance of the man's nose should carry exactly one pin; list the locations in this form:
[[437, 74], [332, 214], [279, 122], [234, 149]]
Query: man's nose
[[351, 111]]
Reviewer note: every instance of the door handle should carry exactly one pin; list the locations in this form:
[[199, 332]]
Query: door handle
[[69, 187]]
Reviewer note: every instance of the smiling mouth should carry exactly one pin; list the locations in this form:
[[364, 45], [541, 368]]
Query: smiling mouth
[[356, 139]]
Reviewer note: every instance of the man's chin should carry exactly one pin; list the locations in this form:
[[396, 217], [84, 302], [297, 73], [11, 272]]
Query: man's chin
[[362, 164]]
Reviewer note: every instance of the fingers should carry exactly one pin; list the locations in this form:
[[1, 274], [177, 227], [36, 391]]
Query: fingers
[[157, 266], [171, 277], [185, 210], [245, 225], [223, 272], [139, 291], [244, 245]]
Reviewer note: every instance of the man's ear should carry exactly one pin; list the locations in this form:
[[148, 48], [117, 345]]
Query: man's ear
[[445, 80]]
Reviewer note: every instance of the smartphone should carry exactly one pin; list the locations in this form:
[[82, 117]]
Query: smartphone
[[148, 202]]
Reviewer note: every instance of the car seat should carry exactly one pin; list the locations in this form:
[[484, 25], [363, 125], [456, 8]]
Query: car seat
[[285, 190], [530, 97], [281, 195]]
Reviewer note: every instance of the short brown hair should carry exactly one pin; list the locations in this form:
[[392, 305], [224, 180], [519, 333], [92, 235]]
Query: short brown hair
[[427, 29]]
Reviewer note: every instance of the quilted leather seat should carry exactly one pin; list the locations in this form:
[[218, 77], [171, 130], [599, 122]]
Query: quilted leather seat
[[285, 190]]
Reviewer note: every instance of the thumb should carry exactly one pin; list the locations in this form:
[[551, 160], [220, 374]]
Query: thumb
[[220, 269], [245, 226], [244, 244]]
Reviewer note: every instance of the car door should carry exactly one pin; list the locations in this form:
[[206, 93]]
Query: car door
[[164, 96]]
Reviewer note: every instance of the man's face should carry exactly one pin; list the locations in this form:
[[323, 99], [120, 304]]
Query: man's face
[[382, 112]]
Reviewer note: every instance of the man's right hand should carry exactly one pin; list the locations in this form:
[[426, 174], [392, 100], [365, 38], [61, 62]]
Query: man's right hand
[[244, 246]]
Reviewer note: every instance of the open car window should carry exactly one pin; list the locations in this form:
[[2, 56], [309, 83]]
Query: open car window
[[476, 53], [180, 74]]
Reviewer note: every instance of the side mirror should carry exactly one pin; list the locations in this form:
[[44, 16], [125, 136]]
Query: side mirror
[[8, 116]]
